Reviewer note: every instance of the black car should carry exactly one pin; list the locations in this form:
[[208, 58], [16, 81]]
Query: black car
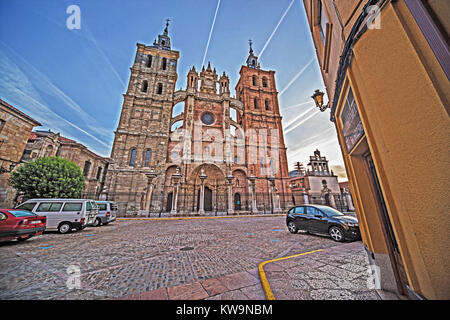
[[323, 219]]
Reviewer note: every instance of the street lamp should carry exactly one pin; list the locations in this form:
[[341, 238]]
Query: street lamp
[[272, 185], [203, 176], [230, 178], [11, 168], [318, 99]]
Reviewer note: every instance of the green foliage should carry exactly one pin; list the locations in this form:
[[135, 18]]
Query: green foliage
[[51, 177]]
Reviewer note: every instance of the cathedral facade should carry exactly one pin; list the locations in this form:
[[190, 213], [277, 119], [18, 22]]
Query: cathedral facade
[[222, 154]]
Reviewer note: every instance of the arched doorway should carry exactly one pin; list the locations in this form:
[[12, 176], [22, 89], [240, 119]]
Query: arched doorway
[[169, 202], [237, 201], [208, 201]]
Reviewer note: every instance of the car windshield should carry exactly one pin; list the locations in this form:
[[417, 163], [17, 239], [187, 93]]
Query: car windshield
[[331, 212], [21, 213]]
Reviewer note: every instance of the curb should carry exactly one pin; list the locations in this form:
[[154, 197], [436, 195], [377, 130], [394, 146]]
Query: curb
[[211, 217], [262, 275]]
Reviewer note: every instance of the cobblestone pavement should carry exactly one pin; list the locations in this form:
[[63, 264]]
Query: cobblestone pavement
[[143, 259], [338, 273]]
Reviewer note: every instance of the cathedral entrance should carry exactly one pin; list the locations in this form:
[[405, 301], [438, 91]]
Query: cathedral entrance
[[208, 203], [237, 201], [169, 202]]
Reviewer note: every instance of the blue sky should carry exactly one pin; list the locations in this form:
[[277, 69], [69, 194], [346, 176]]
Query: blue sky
[[73, 81]]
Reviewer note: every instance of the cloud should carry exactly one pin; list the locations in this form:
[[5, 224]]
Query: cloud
[[298, 124], [302, 70]]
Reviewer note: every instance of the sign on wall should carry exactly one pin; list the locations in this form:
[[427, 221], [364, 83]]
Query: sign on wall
[[352, 126]]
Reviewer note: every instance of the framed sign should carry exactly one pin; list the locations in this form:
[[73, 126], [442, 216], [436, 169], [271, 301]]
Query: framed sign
[[352, 128]]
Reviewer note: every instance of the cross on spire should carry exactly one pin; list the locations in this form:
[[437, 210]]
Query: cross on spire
[[250, 43], [167, 25]]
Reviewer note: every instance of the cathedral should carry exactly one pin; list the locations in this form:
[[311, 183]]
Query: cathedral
[[221, 154]]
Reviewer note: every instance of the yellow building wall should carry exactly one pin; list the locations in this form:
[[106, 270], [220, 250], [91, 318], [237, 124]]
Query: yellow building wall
[[402, 95]]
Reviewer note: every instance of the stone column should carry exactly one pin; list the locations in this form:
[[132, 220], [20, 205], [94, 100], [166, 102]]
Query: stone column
[[230, 193], [348, 197], [150, 176], [175, 179], [271, 193], [305, 196]]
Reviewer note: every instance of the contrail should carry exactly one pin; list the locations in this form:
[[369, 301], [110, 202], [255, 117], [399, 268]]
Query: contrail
[[296, 77], [296, 105], [298, 117], [210, 33], [302, 122], [276, 28]]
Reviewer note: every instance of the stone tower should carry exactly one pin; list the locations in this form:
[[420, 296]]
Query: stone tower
[[265, 147], [142, 136]]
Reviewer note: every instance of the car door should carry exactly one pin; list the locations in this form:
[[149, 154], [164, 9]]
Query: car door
[[5, 225], [300, 218], [72, 211], [316, 220]]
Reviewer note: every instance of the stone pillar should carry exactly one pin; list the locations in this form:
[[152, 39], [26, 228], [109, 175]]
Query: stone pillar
[[305, 196], [175, 179], [148, 200], [348, 197]]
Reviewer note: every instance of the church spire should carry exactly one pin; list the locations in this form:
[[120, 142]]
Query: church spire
[[252, 60], [163, 39]]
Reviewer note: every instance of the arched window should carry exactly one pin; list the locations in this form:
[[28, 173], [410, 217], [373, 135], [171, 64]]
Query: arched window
[[255, 102], [148, 155], [254, 80], [99, 172], [264, 82], [267, 104], [149, 61], [144, 86], [132, 157], [160, 88], [164, 63], [87, 168]]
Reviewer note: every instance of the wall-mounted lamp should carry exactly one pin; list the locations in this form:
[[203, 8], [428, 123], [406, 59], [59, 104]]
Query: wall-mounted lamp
[[318, 99]]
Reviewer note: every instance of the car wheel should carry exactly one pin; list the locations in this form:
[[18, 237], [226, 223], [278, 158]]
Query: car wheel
[[336, 234], [64, 227], [97, 222], [291, 227], [24, 238]]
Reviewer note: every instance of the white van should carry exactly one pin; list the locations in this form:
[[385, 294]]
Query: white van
[[107, 212], [63, 215]]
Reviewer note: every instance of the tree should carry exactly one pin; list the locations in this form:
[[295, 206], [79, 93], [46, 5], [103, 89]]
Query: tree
[[50, 177]]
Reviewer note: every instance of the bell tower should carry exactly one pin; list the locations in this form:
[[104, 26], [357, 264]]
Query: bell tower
[[261, 120], [142, 136]]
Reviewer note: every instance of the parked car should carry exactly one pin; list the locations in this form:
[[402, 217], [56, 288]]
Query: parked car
[[107, 212], [63, 215], [20, 224], [324, 220]]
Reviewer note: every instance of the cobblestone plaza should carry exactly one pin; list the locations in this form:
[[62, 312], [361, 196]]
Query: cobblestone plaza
[[205, 258]]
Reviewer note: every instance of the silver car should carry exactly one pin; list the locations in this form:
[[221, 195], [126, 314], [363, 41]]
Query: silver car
[[63, 215], [107, 212]]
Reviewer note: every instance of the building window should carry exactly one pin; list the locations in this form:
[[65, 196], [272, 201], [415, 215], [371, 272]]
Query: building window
[[267, 104], [99, 172], [149, 61], [87, 167], [255, 102], [132, 157], [144, 86], [148, 155], [322, 21], [160, 88], [254, 80], [164, 63], [264, 82], [2, 124]]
